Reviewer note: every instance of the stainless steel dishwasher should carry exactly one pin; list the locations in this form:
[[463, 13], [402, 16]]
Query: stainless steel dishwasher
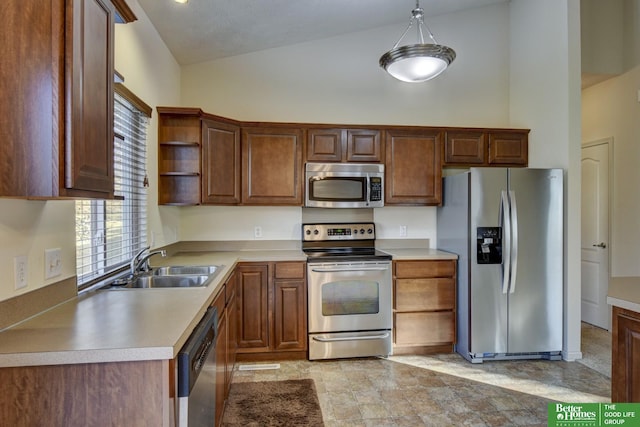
[[197, 374]]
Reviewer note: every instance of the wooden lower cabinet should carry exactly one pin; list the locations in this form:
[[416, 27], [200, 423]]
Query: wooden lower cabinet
[[625, 372], [95, 394], [272, 310], [424, 306], [252, 299]]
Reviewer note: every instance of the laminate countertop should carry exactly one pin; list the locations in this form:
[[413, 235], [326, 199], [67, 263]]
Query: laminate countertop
[[124, 325], [137, 324], [624, 292]]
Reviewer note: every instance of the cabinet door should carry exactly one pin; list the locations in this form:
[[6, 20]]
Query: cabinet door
[[271, 166], [89, 96], [465, 148], [508, 148], [625, 374], [413, 173], [220, 163], [325, 145], [252, 302], [363, 145], [290, 315], [31, 109], [289, 306]]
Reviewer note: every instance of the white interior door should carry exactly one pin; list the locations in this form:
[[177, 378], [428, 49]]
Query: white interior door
[[595, 233]]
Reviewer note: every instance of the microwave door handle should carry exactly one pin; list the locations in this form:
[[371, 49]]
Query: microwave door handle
[[367, 182]]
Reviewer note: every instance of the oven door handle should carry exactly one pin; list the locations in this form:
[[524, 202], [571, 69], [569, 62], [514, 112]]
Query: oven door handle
[[337, 270], [361, 338]]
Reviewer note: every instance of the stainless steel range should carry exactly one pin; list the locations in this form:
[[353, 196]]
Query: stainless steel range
[[350, 313]]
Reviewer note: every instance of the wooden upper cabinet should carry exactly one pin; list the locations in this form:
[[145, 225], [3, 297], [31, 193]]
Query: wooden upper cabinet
[[271, 166], [413, 172], [56, 113], [89, 96], [508, 148], [344, 145], [465, 148], [220, 163], [486, 147], [325, 145], [179, 156]]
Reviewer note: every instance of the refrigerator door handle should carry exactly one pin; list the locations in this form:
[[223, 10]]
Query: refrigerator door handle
[[514, 245], [505, 223]]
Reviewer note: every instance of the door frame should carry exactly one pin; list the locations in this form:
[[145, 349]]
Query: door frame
[[609, 143]]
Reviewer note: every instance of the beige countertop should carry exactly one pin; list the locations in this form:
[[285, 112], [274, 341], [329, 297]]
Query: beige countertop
[[419, 254], [624, 292], [128, 324], [137, 324]]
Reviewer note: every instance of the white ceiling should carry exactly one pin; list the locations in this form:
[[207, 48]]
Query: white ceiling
[[202, 30]]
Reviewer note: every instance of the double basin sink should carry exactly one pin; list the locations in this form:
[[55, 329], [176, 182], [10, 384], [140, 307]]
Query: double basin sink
[[168, 277]]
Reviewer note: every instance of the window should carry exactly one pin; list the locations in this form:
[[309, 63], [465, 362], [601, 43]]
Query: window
[[110, 232]]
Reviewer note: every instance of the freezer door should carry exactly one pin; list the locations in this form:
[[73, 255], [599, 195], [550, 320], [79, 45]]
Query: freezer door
[[535, 297], [488, 303]]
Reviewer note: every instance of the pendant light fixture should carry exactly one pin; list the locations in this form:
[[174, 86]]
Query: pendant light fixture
[[417, 62]]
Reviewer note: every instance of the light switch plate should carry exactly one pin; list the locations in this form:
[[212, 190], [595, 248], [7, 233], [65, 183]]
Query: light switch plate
[[52, 262]]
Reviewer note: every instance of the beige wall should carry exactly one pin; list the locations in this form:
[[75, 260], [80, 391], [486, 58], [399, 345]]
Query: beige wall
[[611, 109]]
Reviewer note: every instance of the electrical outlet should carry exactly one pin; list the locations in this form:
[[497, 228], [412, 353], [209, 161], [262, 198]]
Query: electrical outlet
[[257, 232], [52, 262], [20, 272], [403, 231]]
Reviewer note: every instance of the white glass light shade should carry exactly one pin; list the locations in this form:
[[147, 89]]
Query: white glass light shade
[[418, 62]]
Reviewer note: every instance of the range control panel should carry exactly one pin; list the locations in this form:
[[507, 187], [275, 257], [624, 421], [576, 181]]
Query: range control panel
[[347, 231]]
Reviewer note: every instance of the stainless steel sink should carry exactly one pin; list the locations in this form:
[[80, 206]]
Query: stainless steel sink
[[181, 270], [155, 281], [176, 276]]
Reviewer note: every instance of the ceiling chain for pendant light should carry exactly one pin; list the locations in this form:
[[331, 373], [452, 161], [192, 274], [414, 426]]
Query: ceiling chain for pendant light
[[417, 62]]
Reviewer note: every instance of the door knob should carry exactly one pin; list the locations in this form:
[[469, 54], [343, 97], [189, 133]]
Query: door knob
[[600, 245]]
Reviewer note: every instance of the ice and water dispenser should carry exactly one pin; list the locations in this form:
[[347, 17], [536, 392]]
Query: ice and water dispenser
[[489, 245]]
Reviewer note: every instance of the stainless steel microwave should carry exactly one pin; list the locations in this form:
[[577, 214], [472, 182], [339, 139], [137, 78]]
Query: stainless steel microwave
[[344, 185]]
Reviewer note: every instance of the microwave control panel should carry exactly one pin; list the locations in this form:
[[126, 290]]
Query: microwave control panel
[[375, 188]]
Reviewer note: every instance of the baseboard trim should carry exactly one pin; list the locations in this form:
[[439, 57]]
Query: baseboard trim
[[19, 308]]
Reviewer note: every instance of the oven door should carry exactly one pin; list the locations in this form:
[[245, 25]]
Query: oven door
[[349, 309], [349, 296]]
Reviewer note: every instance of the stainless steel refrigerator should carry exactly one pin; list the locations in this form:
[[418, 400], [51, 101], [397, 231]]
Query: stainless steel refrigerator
[[506, 225]]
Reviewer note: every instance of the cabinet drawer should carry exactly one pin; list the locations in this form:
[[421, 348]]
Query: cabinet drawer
[[424, 328], [425, 269], [289, 270], [424, 294]]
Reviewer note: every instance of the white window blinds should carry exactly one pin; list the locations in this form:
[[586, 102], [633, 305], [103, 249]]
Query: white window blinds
[[109, 233]]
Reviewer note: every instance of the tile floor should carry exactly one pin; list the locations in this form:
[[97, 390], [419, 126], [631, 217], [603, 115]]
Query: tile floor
[[443, 390]]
